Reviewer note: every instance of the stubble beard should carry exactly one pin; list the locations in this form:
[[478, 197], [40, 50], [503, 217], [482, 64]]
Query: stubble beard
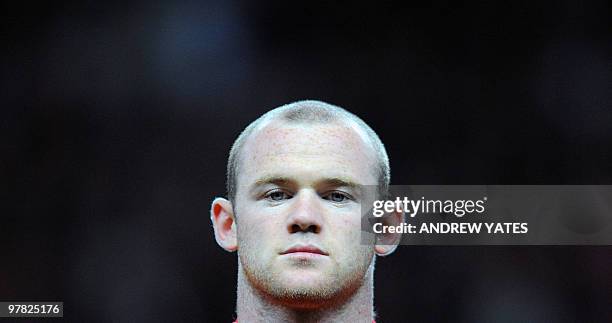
[[336, 288]]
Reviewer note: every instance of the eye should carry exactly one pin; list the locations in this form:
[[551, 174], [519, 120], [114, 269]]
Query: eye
[[337, 197], [277, 195]]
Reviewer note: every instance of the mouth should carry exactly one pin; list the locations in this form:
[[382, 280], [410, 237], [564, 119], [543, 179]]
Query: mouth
[[304, 250]]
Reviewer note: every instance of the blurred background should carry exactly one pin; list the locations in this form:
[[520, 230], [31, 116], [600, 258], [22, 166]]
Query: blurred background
[[117, 119]]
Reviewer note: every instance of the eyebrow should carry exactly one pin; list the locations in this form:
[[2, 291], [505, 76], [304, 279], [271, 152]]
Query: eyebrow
[[277, 180], [339, 182], [286, 181]]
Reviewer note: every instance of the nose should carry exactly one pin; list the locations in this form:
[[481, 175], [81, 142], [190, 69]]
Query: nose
[[306, 213]]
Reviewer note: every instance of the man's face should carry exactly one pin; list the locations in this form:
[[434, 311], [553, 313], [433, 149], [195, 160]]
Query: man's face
[[298, 211]]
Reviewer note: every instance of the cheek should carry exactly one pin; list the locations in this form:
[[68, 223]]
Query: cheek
[[346, 233], [350, 224], [258, 230]]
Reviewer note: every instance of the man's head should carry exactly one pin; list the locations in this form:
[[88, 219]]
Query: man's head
[[309, 112], [294, 213]]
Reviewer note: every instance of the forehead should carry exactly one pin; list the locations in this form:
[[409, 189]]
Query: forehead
[[309, 152]]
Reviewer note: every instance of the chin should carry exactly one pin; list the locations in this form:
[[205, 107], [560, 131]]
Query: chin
[[306, 297], [306, 284], [306, 291]]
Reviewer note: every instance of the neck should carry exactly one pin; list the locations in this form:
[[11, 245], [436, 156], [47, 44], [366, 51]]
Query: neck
[[253, 306]]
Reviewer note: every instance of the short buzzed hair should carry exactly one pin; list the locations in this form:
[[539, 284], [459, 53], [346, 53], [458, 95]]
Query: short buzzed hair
[[307, 112]]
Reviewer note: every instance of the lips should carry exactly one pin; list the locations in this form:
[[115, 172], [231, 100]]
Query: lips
[[304, 249]]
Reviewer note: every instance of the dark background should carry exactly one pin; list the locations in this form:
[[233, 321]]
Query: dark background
[[117, 120]]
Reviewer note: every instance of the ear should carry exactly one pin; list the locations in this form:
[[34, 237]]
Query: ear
[[224, 224], [387, 242]]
